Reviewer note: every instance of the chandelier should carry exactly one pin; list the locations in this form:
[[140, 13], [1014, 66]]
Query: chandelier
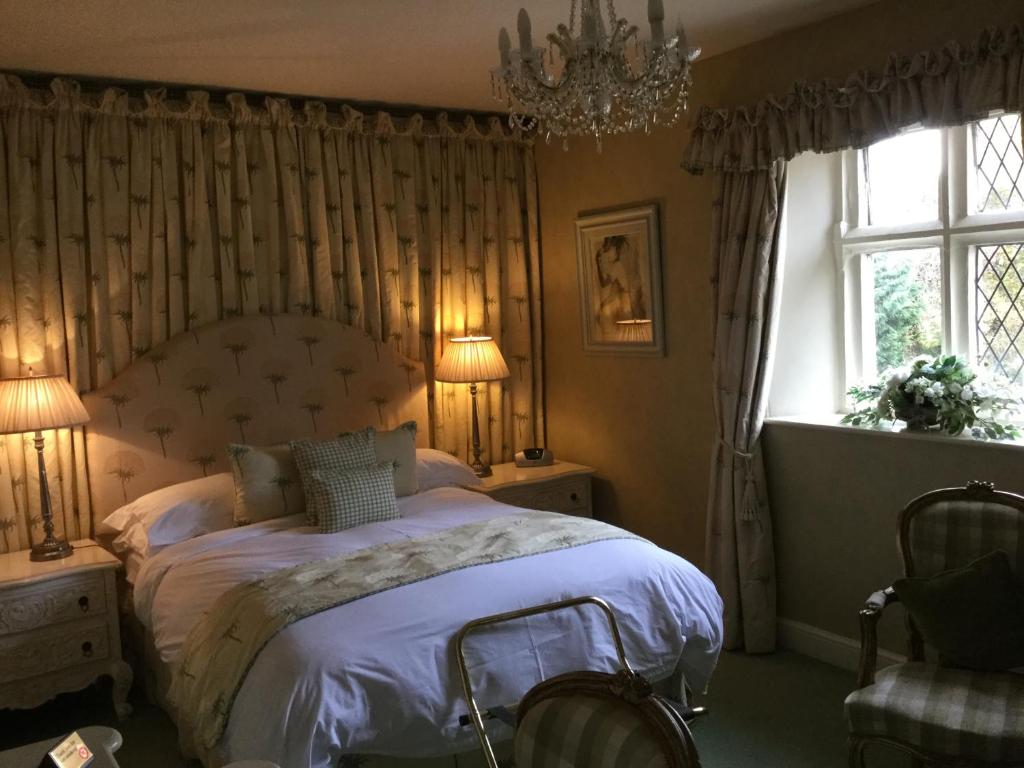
[[604, 81]]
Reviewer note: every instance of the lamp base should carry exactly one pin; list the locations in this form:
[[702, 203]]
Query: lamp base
[[481, 470], [50, 549]]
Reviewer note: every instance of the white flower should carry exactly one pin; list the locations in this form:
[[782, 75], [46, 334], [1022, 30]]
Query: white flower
[[968, 393], [955, 388]]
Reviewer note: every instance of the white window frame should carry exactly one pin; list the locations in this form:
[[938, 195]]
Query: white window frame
[[956, 232]]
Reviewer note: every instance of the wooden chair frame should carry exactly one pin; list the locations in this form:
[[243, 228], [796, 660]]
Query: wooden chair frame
[[974, 492]]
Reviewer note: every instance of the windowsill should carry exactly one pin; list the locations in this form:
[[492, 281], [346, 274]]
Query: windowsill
[[830, 422]]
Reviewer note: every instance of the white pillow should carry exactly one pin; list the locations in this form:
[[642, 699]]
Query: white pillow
[[172, 514], [437, 469]]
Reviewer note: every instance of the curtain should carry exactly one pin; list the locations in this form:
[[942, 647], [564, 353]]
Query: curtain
[[952, 86], [125, 221], [747, 252], [748, 148]]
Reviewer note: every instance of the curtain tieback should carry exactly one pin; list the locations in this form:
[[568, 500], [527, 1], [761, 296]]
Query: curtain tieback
[[749, 507]]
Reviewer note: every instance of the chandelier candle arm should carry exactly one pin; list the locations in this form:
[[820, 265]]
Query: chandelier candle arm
[[656, 17], [602, 80], [525, 34], [504, 48]]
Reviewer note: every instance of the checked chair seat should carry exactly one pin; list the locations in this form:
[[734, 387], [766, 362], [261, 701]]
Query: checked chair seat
[[952, 712]]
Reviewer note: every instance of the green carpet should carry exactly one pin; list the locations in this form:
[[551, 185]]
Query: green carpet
[[779, 711]]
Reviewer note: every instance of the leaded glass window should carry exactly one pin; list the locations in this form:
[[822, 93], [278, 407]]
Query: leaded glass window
[[998, 164], [931, 245], [1000, 308]]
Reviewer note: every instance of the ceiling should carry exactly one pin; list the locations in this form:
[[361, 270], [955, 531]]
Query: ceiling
[[424, 52]]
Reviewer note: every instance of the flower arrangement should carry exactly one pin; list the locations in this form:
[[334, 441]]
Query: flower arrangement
[[937, 393]]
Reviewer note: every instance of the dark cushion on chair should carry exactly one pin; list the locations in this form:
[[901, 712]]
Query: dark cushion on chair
[[973, 616], [954, 712]]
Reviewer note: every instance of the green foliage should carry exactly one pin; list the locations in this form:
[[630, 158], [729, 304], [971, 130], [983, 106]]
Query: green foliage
[[901, 311], [945, 389]]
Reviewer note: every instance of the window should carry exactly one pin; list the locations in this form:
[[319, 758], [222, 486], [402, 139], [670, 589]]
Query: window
[[931, 248]]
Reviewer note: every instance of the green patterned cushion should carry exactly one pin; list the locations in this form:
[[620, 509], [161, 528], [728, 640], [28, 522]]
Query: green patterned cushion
[[352, 451], [585, 730], [399, 446], [353, 497], [266, 483]]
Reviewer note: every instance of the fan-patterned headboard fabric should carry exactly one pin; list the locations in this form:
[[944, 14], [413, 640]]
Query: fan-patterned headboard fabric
[[261, 379]]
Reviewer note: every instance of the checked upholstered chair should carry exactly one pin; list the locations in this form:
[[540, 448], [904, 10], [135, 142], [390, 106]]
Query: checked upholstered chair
[[584, 719], [939, 715]]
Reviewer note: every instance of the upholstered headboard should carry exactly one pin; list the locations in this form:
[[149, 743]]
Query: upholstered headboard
[[262, 379]]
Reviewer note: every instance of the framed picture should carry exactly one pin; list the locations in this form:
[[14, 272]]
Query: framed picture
[[619, 258]]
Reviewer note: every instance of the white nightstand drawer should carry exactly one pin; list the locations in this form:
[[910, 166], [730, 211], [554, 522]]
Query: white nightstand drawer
[[59, 627], [569, 496], [50, 650], [52, 602]]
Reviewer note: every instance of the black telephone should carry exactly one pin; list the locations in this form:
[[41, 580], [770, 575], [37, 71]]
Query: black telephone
[[535, 457]]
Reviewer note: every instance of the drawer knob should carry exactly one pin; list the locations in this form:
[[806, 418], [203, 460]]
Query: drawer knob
[[83, 603], [87, 649], [575, 497]]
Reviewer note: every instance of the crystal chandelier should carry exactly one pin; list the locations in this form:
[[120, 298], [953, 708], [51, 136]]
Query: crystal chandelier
[[608, 80]]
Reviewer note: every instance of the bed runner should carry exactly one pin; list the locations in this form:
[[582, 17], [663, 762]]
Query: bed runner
[[224, 644]]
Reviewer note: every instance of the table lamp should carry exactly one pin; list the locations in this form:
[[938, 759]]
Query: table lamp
[[635, 331], [470, 360], [32, 404]]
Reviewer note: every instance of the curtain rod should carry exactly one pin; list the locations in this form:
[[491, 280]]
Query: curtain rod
[[41, 81]]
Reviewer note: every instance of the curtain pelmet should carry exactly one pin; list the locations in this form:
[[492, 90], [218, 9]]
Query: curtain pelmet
[[952, 86]]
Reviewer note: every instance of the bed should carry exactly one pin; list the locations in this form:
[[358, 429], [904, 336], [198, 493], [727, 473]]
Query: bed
[[373, 676]]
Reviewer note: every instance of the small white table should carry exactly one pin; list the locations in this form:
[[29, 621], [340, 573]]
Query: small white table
[[103, 742], [59, 628], [561, 487]]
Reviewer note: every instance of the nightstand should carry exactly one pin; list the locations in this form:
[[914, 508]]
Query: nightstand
[[562, 487], [59, 627]]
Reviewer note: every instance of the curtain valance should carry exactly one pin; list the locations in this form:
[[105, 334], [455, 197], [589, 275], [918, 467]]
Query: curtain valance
[[952, 86], [236, 110]]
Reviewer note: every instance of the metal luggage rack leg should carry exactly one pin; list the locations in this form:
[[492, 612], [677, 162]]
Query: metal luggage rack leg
[[506, 714]]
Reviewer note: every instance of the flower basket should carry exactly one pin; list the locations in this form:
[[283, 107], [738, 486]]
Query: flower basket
[[941, 393], [919, 418]]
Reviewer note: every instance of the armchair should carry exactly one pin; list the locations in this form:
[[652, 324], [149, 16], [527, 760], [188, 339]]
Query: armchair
[[942, 716]]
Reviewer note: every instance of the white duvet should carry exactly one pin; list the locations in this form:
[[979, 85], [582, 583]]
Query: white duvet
[[376, 676]]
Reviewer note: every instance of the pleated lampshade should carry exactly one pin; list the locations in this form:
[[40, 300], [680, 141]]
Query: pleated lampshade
[[34, 403], [636, 331], [471, 359]]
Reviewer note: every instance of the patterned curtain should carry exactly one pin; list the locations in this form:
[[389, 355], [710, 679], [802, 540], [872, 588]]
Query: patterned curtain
[[746, 247], [124, 222]]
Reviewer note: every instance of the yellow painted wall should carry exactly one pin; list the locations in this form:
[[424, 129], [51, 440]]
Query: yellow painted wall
[[645, 424]]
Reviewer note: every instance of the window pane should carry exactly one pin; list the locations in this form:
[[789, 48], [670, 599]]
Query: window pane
[[908, 305], [903, 178], [998, 160], [1000, 304]]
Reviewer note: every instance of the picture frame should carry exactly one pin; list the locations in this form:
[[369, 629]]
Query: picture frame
[[619, 269]]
